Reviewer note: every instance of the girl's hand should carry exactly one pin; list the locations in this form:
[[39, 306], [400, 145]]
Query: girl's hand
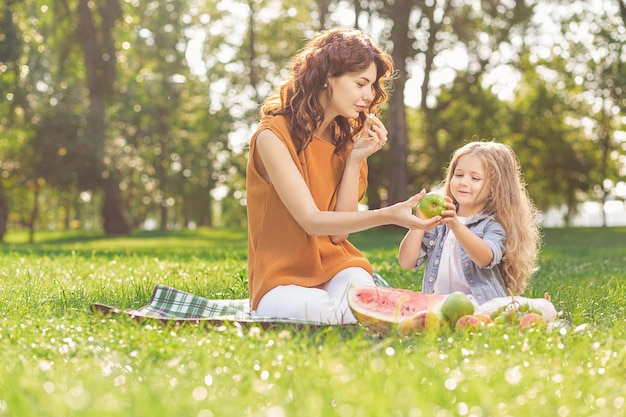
[[373, 138], [449, 215]]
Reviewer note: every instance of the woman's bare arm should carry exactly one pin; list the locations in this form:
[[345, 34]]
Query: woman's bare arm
[[297, 198]]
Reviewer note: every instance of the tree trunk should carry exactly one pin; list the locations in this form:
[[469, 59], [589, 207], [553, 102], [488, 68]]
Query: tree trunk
[[429, 59], [323, 7], [114, 222], [398, 146], [4, 212], [162, 164], [604, 138], [399, 12], [34, 214], [99, 57]]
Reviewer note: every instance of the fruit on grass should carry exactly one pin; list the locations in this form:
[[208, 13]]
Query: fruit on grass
[[380, 309], [484, 318], [532, 320], [384, 311], [456, 305], [469, 322], [425, 321], [431, 205], [508, 316]]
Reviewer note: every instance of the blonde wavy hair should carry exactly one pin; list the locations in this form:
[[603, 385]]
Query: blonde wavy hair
[[510, 205]]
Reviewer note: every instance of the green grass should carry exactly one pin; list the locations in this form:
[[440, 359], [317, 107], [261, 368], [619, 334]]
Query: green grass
[[59, 359]]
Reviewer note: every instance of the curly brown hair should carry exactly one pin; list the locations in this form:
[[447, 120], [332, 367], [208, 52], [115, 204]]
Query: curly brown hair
[[330, 53]]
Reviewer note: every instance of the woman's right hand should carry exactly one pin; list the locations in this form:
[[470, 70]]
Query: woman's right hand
[[371, 140], [404, 217]]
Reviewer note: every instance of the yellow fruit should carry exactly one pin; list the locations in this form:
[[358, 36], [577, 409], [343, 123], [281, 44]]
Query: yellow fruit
[[485, 319], [424, 321]]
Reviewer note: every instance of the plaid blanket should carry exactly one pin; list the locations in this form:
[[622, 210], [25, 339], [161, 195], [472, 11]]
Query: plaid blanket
[[169, 303]]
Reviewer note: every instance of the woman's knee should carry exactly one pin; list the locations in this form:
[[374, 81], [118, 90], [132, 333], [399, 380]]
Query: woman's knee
[[298, 302]]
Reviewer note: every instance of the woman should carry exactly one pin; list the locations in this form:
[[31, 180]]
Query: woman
[[306, 173]]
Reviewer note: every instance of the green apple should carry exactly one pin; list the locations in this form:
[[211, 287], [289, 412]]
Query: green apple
[[457, 305], [431, 205]]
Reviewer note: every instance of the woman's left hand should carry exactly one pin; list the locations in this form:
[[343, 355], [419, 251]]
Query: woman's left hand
[[373, 138]]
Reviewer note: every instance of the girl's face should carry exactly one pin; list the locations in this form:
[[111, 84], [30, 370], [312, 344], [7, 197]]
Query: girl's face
[[351, 93], [468, 185]]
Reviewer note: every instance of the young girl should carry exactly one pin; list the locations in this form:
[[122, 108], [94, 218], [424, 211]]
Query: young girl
[[306, 173], [488, 243]]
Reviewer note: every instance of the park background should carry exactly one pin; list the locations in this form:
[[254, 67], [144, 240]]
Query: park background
[[120, 115]]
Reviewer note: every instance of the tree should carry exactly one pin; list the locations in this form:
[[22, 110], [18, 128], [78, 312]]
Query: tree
[[554, 152], [96, 21], [464, 111], [246, 63], [9, 53], [36, 106], [119, 114], [399, 35], [596, 44], [153, 100]]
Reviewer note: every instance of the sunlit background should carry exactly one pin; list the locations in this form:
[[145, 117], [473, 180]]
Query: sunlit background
[[126, 115]]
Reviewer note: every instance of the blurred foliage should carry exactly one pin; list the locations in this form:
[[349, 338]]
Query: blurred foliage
[[187, 78]]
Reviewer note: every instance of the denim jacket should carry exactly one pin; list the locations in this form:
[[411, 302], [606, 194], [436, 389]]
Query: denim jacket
[[485, 283]]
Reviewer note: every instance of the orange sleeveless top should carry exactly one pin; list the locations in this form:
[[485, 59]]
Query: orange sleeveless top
[[280, 252]]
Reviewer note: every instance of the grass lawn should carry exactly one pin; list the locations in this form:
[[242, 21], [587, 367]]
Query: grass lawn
[[59, 359]]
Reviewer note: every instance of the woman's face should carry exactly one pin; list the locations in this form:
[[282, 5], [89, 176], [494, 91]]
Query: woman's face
[[351, 93]]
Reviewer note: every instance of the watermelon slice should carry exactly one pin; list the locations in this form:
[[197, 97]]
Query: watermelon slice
[[379, 309]]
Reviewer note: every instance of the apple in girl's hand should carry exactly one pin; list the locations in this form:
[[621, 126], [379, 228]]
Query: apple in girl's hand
[[431, 205]]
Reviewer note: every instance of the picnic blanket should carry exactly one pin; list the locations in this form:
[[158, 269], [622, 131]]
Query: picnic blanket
[[169, 304]]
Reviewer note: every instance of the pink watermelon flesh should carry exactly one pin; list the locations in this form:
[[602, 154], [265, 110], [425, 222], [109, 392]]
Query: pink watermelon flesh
[[380, 308]]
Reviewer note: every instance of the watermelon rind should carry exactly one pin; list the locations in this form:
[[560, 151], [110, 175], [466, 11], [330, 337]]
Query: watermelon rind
[[379, 309]]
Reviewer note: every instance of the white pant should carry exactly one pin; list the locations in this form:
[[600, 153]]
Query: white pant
[[327, 305]]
